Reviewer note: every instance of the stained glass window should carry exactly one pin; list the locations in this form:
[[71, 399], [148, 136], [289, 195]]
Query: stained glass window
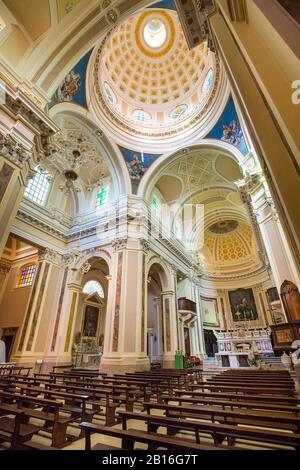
[[141, 115], [178, 111], [208, 82], [93, 286], [102, 196], [155, 206], [109, 93], [27, 275], [37, 188]]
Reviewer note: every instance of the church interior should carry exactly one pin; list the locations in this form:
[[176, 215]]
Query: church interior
[[149, 224]]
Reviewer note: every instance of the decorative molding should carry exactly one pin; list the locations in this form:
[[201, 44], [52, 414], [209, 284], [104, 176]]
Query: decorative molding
[[4, 267], [46, 254], [119, 244], [13, 151], [112, 16]]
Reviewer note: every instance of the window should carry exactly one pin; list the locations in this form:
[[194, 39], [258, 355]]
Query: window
[[102, 197], [91, 287], [141, 115], [155, 207], [37, 188], [178, 111], [109, 93], [208, 82], [27, 275]]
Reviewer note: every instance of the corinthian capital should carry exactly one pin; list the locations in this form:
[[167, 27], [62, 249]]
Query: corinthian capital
[[4, 267], [46, 254], [13, 151]]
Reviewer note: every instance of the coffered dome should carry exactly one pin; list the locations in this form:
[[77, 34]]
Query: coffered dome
[[148, 83]]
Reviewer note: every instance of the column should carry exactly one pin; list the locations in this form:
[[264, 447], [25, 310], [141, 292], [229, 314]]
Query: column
[[200, 323], [272, 147], [279, 254], [170, 328], [14, 172], [4, 274], [126, 333]]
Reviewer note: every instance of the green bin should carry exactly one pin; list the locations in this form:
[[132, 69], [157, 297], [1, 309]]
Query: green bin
[[178, 360]]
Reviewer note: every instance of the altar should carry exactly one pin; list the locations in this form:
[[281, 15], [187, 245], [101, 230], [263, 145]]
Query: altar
[[235, 346]]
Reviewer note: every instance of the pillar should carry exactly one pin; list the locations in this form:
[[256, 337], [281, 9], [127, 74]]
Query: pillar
[[125, 341]]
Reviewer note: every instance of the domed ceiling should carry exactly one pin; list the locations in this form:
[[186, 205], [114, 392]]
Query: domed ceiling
[[147, 81]]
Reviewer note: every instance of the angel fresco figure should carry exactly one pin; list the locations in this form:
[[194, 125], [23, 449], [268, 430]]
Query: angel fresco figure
[[233, 134], [69, 87], [135, 168]]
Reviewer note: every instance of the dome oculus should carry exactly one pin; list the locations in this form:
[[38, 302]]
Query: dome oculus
[[155, 33]]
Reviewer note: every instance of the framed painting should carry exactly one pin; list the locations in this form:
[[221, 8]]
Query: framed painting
[[90, 324], [242, 305], [210, 311]]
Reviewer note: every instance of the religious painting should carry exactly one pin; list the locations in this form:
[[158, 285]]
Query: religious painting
[[90, 324], [210, 311], [242, 305], [284, 336], [72, 87], [228, 128]]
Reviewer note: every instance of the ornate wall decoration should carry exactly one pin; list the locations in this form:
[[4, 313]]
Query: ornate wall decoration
[[13, 151], [112, 16]]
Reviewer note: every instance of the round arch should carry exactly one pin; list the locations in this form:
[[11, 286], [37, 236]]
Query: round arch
[[110, 150], [162, 270], [155, 171]]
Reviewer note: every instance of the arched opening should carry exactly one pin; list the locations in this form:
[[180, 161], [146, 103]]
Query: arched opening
[[91, 316], [157, 329]]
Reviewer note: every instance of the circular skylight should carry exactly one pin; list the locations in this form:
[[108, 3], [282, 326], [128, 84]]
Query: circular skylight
[[155, 33]]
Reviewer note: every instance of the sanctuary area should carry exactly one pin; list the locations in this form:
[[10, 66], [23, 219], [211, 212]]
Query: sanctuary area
[[149, 224]]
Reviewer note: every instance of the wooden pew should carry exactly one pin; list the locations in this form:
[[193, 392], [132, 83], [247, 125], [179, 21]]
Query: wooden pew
[[130, 437], [266, 390], [281, 399], [218, 431], [248, 404], [255, 418], [13, 426], [48, 411]]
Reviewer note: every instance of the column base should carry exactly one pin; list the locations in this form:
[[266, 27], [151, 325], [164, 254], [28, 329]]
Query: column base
[[169, 361], [121, 365]]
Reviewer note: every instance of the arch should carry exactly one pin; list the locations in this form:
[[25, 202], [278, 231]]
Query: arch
[[92, 286], [155, 171], [162, 270], [107, 147]]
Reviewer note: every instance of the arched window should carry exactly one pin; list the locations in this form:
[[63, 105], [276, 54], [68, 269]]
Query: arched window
[[27, 275], [91, 287], [38, 188]]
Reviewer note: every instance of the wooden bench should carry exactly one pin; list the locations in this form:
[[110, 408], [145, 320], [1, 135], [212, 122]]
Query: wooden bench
[[48, 411], [248, 404], [13, 426], [130, 437], [243, 389], [287, 400], [218, 431], [255, 418]]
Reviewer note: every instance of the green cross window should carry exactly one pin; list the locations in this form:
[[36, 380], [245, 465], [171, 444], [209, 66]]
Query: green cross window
[[155, 206], [102, 197]]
